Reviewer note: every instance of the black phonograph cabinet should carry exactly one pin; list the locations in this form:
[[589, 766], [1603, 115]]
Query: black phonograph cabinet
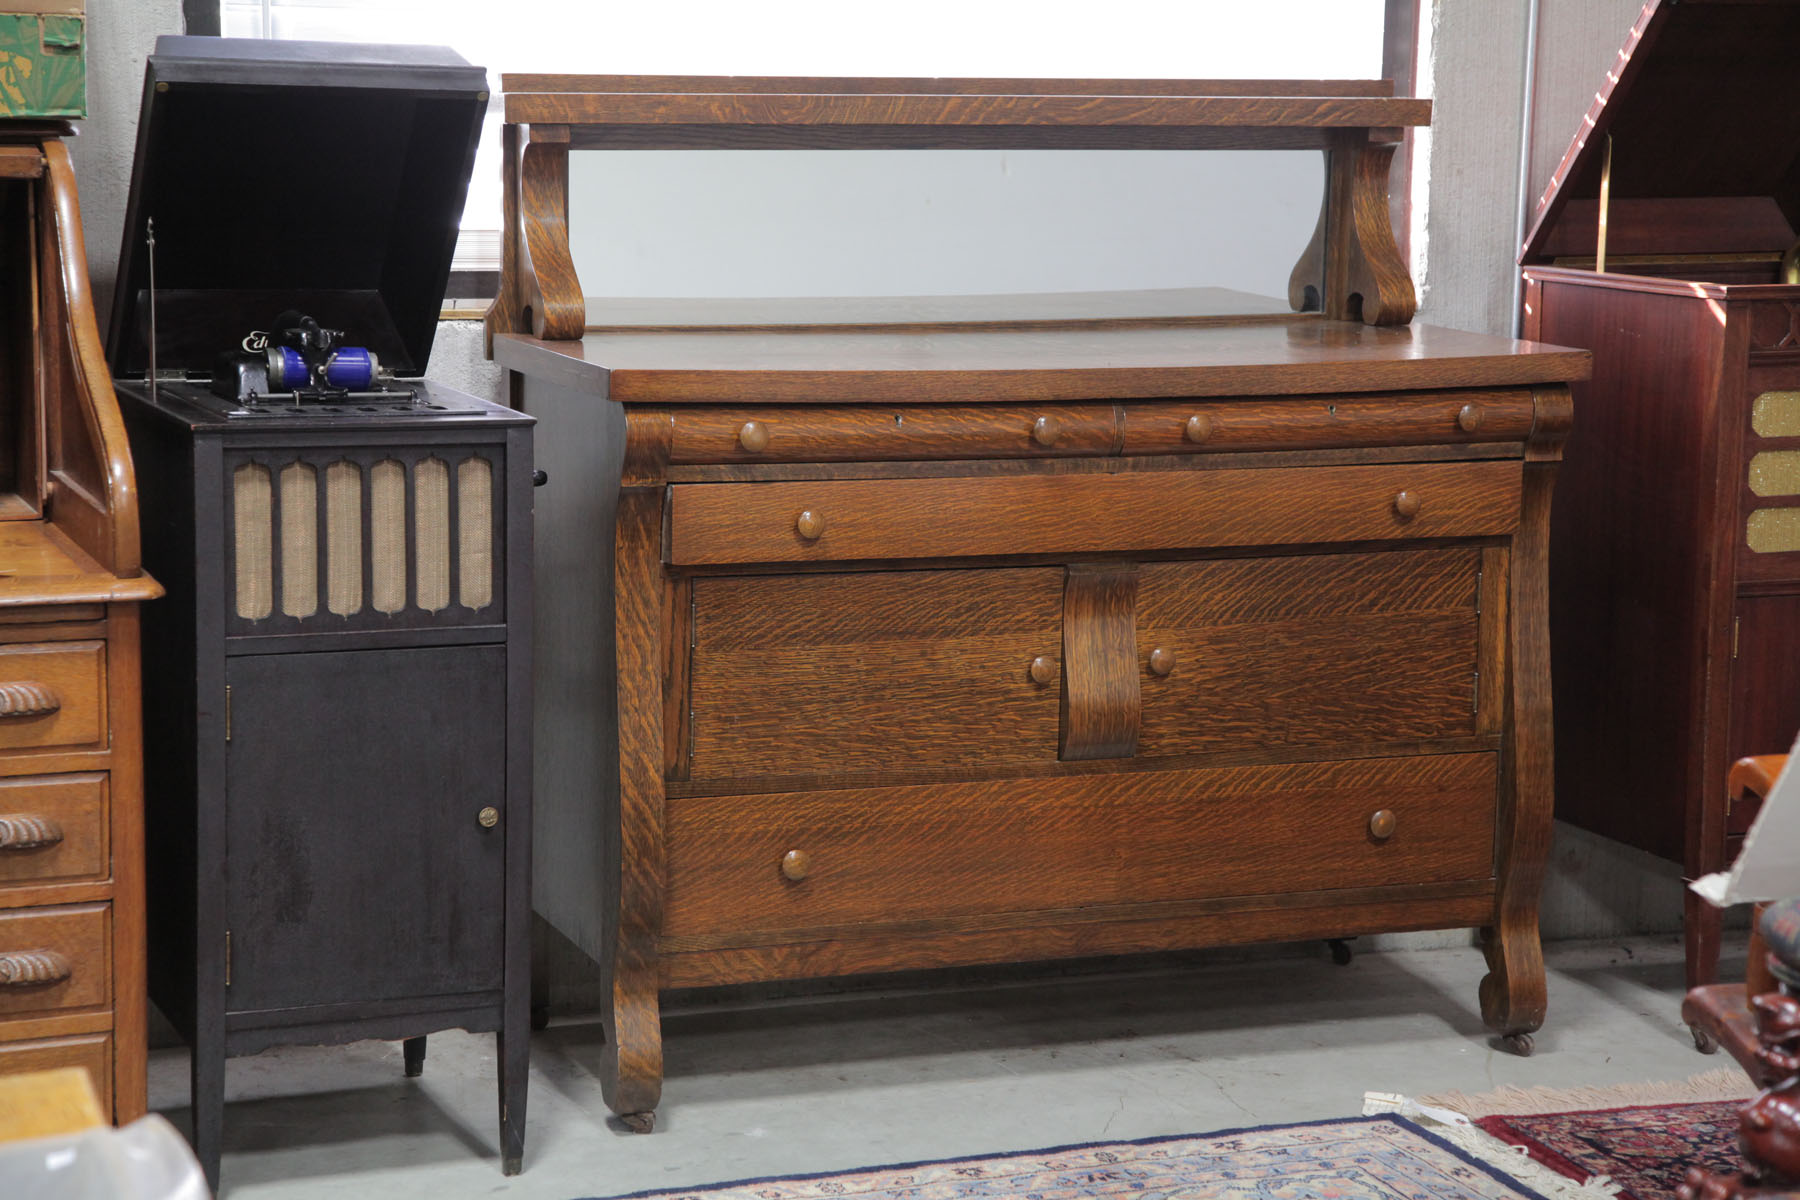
[[337, 688]]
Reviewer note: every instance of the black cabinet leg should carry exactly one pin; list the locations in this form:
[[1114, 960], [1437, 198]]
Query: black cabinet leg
[[515, 1064], [413, 1050], [208, 1079]]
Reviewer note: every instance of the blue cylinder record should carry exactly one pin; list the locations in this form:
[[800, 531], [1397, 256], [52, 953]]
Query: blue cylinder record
[[351, 367]]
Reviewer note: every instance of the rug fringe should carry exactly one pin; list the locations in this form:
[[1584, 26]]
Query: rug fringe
[[1515, 1162], [1725, 1083]]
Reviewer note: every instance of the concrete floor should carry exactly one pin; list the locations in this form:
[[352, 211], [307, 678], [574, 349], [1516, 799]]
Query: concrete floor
[[817, 1083]]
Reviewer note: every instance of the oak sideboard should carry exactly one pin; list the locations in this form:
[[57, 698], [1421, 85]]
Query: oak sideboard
[[888, 635]]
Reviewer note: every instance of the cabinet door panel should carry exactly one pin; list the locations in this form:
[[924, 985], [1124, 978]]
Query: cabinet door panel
[[357, 867], [1315, 650], [1765, 685], [796, 675]]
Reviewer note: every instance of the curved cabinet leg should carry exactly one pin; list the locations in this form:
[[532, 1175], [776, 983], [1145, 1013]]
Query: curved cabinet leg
[[412, 1050], [1513, 992]]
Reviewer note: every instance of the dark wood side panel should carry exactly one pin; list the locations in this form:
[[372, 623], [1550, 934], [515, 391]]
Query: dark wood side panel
[[900, 670], [1308, 650], [887, 855], [1630, 561], [1765, 676]]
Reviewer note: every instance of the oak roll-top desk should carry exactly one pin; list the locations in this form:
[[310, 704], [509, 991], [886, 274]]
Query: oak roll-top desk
[[71, 776], [1676, 545], [894, 634]]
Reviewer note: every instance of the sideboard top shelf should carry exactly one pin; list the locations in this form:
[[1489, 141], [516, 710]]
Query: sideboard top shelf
[[1283, 112]]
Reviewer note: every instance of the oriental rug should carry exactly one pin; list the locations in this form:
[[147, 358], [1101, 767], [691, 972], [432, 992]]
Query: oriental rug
[[1639, 1151], [1357, 1158]]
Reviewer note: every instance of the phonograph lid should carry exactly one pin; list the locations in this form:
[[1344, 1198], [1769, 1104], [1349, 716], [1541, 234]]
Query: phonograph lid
[[1703, 117], [320, 177]]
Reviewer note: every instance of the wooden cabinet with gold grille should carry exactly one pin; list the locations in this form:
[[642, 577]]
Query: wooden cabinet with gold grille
[[1666, 244]]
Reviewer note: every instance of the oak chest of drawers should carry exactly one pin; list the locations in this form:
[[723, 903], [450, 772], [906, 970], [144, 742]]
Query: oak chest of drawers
[[71, 775]]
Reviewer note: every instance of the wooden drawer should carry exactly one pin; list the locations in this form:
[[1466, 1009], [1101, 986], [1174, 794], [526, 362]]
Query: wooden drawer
[[53, 827], [1081, 513], [91, 1052], [1324, 422], [1314, 650], [52, 694], [57, 958], [879, 857], [875, 433], [796, 675]]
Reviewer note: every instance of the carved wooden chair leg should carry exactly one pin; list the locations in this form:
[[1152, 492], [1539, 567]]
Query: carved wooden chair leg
[[413, 1051]]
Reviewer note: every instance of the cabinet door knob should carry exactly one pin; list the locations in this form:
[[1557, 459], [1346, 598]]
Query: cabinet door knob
[[28, 700], [1043, 669], [1162, 660], [795, 864], [488, 817], [1045, 431], [809, 524], [22, 831], [1469, 418], [32, 968], [1381, 824], [1199, 427], [1406, 505], [754, 437]]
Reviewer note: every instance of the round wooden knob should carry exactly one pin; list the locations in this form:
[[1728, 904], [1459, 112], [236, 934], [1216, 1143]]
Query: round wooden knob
[[1162, 660], [1045, 431], [1381, 824], [1199, 427], [1469, 418], [754, 437], [1043, 669], [809, 524], [795, 864], [1406, 505], [488, 817]]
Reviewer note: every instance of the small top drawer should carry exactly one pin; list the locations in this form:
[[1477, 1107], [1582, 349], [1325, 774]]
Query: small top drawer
[[898, 432], [1327, 422], [851, 519], [52, 694]]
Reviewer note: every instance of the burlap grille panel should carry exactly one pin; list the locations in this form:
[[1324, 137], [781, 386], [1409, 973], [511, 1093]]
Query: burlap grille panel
[[343, 538], [252, 503], [475, 532], [299, 539], [387, 536], [431, 533]]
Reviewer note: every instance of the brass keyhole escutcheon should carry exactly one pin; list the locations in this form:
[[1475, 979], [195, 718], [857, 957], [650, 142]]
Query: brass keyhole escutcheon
[[809, 524], [488, 817], [1381, 824], [1045, 431], [1199, 427], [1407, 505], [1162, 660], [1043, 669], [754, 437], [1469, 418], [795, 864]]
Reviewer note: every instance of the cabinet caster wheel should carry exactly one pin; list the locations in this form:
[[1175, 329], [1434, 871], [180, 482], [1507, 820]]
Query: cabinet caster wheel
[[540, 1018], [1519, 1043], [1340, 951], [1704, 1042], [512, 1164], [640, 1122]]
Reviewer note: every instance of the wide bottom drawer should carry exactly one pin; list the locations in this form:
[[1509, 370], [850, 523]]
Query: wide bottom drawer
[[769, 868], [92, 1052]]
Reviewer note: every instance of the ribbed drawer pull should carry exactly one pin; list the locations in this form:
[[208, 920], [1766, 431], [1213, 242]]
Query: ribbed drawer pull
[[32, 968], [28, 700], [22, 831]]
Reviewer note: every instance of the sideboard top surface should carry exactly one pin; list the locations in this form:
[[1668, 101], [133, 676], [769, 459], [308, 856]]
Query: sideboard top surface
[[942, 350]]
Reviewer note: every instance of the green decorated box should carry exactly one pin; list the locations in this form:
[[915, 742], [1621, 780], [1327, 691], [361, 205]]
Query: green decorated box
[[43, 72]]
